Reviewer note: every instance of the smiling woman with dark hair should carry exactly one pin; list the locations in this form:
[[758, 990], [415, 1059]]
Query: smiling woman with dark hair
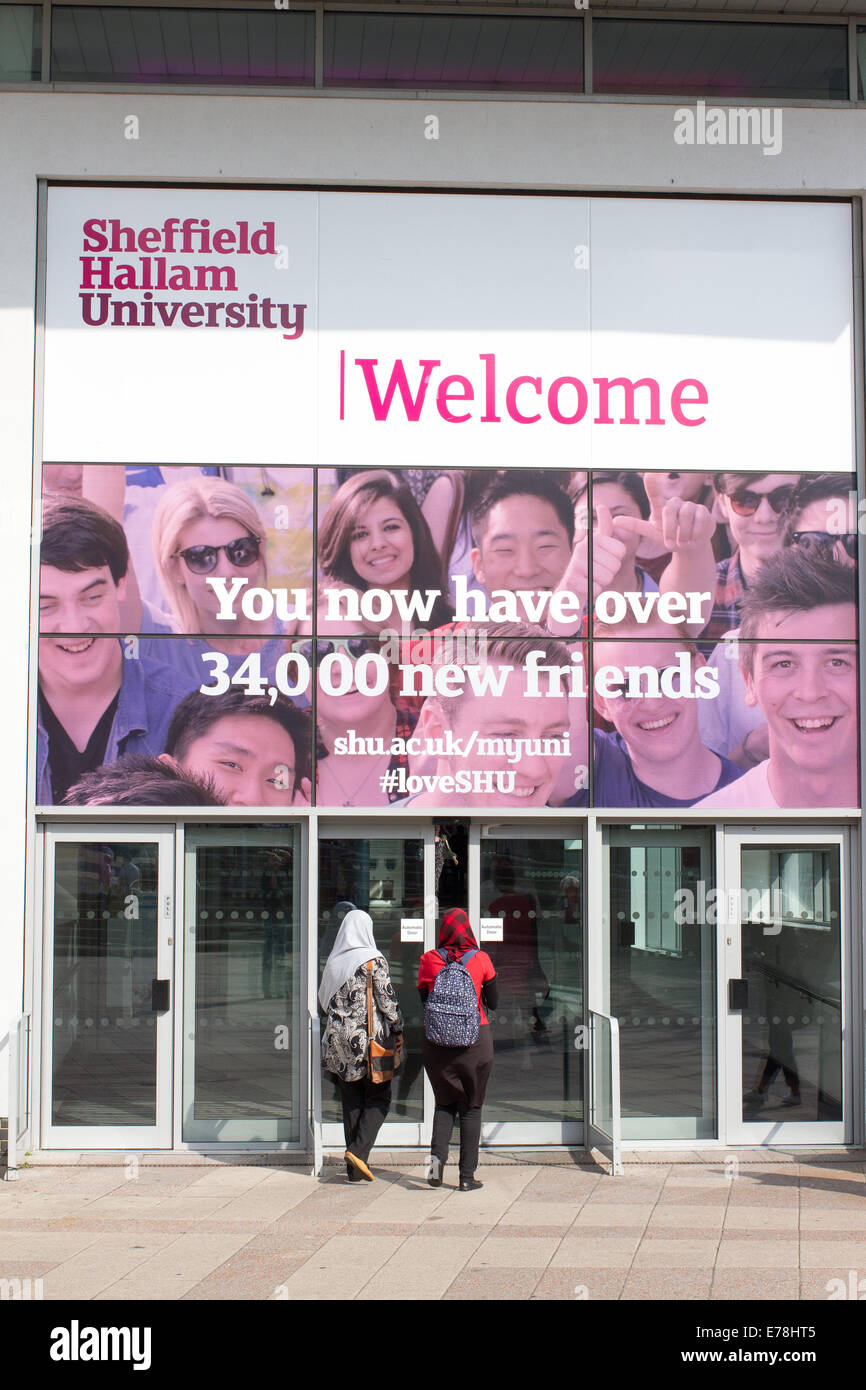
[[373, 536]]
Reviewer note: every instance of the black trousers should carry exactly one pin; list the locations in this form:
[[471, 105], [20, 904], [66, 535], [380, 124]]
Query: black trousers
[[470, 1135], [365, 1105]]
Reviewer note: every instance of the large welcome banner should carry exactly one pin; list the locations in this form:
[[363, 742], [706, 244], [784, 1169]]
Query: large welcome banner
[[385, 500]]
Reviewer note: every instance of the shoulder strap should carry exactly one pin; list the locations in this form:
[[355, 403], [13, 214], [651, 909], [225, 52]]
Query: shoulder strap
[[369, 969], [467, 955], [440, 951]]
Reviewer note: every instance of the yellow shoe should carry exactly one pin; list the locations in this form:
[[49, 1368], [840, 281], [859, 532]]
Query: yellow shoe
[[361, 1166]]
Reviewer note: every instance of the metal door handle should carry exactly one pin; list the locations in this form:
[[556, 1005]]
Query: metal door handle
[[738, 994], [160, 996]]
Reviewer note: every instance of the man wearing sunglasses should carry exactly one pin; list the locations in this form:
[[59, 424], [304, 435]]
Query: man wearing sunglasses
[[751, 506], [654, 756], [798, 657], [96, 700], [821, 517]]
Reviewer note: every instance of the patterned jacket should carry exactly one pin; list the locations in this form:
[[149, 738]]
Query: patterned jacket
[[344, 1041]]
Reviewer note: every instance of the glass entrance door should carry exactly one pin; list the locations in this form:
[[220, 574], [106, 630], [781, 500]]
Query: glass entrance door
[[107, 989], [389, 872], [786, 960], [526, 900], [658, 976], [243, 1048]]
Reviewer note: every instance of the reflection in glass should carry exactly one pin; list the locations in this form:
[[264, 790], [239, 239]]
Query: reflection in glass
[[100, 43], [458, 51], [385, 877], [535, 888], [705, 58], [243, 945], [105, 961], [662, 971], [20, 43], [792, 1022], [602, 1117]]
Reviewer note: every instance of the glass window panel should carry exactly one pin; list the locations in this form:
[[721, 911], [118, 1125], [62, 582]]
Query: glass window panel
[[479, 52], [791, 961], [105, 962], [700, 58], [861, 62], [20, 43], [101, 44], [535, 887], [602, 1116]]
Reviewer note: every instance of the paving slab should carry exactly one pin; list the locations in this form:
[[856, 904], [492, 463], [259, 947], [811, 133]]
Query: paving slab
[[420, 1271], [175, 1269], [778, 1226]]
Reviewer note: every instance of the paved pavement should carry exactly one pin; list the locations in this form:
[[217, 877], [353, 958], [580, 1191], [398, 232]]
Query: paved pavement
[[544, 1226]]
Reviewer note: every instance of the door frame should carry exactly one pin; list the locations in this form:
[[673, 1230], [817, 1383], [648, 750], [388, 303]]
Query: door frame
[[519, 1133], [184, 995], [396, 1133], [735, 1131], [90, 1137], [638, 1132]]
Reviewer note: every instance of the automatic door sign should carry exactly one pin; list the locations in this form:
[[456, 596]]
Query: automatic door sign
[[491, 928], [411, 928]]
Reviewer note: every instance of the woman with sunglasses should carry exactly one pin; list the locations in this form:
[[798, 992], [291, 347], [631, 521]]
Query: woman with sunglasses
[[206, 528], [374, 536]]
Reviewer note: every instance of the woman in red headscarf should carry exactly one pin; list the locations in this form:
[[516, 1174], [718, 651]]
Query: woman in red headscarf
[[458, 1075]]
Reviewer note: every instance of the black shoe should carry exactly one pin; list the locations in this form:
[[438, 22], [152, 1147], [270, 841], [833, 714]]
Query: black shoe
[[470, 1185], [434, 1171]]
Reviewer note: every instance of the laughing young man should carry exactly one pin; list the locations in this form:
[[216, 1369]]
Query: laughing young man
[[654, 755], [94, 704], [798, 656], [515, 740]]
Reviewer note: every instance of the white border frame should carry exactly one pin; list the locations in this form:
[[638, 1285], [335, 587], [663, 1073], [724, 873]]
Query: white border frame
[[158, 1135], [185, 962], [682, 1128], [511, 1134], [736, 1130]]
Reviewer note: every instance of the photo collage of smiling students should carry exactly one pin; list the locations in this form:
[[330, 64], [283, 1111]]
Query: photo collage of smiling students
[[438, 639]]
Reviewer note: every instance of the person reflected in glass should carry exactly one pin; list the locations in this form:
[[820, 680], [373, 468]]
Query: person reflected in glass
[[346, 1039], [780, 1058], [458, 1075], [521, 975], [442, 852]]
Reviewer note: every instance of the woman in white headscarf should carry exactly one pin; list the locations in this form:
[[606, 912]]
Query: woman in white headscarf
[[343, 996]]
